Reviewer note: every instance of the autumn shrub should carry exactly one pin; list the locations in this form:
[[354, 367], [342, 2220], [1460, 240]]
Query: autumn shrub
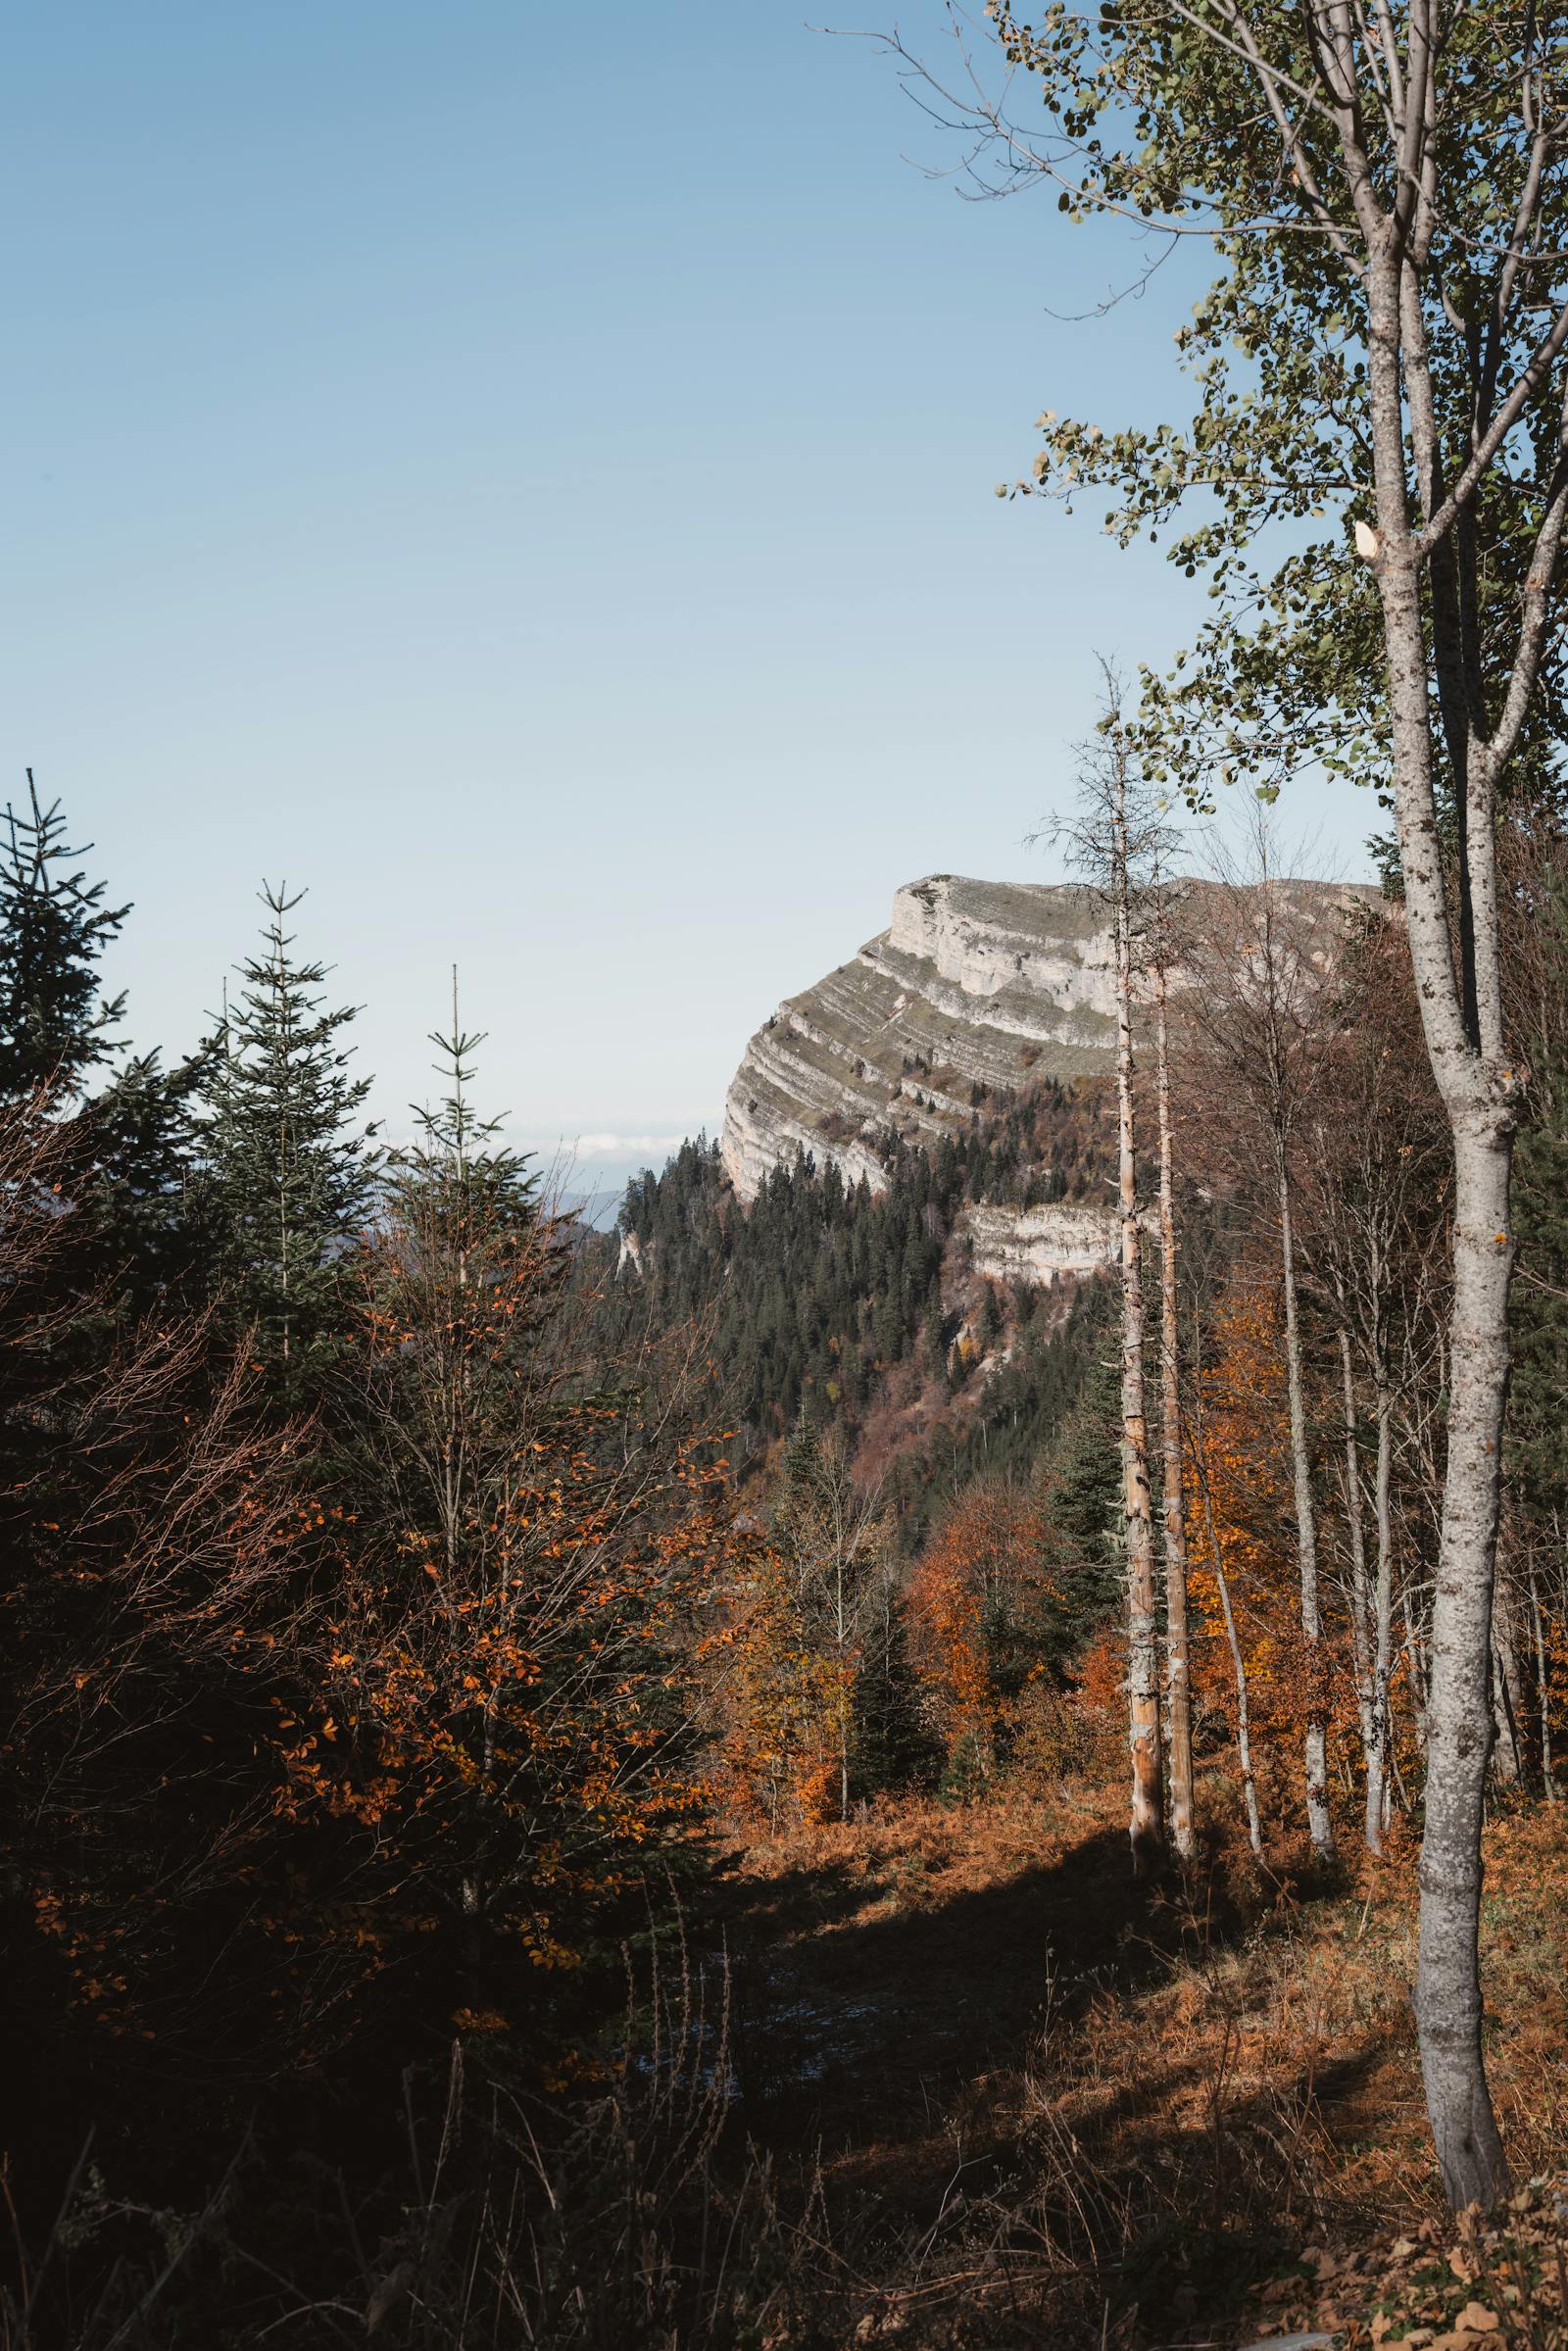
[[324, 1742], [1072, 1734], [979, 1607]]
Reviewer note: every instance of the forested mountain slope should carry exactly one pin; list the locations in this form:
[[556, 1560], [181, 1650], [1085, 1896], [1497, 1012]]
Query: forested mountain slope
[[875, 1313]]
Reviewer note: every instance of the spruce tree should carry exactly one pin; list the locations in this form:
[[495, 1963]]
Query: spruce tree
[[124, 1163], [290, 1181], [147, 1235], [892, 1747], [55, 1023], [458, 1180]]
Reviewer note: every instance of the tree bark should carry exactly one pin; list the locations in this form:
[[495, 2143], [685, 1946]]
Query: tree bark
[[1177, 1646], [1320, 1825], [1459, 1711], [1362, 1633], [1377, 1787], [1147, 1827], [1476, 1086]]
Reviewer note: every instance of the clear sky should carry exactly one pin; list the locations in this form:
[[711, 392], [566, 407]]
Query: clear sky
[[527, 472]]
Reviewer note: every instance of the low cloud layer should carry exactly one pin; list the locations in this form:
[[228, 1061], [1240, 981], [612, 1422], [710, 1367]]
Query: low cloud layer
[[608, 1146]]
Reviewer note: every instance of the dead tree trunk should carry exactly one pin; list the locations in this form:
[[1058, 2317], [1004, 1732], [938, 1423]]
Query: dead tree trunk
[[1147, 1826]]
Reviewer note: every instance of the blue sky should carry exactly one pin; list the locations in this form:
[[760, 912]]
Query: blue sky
[[528, 474]]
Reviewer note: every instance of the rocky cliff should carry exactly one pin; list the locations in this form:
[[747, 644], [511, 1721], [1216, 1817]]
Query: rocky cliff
[[1058, 1241], [973, 989]]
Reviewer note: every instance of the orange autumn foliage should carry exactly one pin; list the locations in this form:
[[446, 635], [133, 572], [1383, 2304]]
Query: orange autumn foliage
[[980, 1584], [505, 1726], [784, 1702], [1238, 1496]]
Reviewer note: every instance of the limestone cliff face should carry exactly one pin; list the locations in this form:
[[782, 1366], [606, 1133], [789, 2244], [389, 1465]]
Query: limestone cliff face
[[973, 986], [1060, 1242], [973, 989]]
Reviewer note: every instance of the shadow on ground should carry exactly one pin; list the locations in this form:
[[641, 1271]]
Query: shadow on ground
[[849, 2027]]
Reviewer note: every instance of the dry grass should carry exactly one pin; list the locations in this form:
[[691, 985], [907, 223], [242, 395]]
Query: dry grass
[[959, 2086], [1120, 2112]]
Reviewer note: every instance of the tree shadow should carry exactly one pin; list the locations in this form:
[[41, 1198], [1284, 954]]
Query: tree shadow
[[849, 2028]]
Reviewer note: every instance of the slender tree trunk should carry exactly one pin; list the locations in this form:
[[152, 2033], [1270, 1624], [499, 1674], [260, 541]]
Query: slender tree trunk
[[1377, 1797], [1415, 1649], [1244, 1729], [1177, 1646], [1361, 1634], [1461, 1019], [1542, 1691], [1320, 1825], [1147, 1826], [1507, 1690], [1505, 1745]]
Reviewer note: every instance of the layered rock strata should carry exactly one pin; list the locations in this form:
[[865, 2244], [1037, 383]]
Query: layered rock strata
[[975, 989], [1063, 1241]]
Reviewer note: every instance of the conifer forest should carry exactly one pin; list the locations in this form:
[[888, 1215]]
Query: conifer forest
[[943, 1723]]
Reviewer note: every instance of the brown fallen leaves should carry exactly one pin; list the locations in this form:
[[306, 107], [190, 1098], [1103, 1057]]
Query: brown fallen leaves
[[1467, 2285]]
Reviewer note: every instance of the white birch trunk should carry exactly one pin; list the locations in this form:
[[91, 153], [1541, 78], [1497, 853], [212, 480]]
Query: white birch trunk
[[1319, 1822], [1465, 1047], [1147, 1825], [1177, 1645], [1362, 1633]]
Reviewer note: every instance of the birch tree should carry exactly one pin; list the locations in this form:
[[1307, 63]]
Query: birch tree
[[1179, 1681], [1384, 191], [1253, 949], [1375, 1202], [1111, 840]]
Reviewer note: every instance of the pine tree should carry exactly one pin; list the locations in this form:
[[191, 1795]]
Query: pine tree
[[893, 1748], [125, 1161], [290, 1183], [458, 1162], [55, 1023]]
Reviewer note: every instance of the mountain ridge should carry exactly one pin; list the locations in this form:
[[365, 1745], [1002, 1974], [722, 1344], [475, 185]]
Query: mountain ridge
[[976, 991]]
